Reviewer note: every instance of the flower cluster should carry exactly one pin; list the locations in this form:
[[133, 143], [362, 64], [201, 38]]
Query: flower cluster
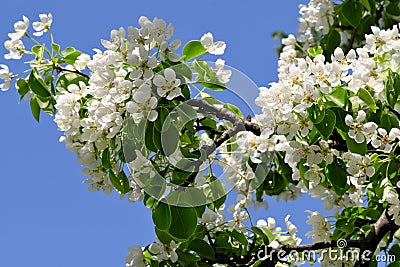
[[316, 17], [318, 104]]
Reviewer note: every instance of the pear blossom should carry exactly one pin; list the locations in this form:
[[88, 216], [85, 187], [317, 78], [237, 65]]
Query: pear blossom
[[21, 28], [320, 227], [359, 131], [43, 25], [167, 85], [214, 48], [16, 49], [164, 252], [5, 75], [222, 75], [135, 257], [143, 110]]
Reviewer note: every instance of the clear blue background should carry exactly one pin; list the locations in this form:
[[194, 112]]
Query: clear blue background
[[47, 217]]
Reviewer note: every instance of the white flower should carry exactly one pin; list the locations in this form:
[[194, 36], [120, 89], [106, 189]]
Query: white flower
[[358, 131], [222, 75], [167, 85], [165, 252], [5, 75], [82, 61], [135, 257], [16, 49], [43, 25], [143, 110], [291, 228], [21, 28], [215, 48], [381, 40], [320, 227], [383, 140]]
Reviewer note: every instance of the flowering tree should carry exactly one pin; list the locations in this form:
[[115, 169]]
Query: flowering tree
[[142, 121]]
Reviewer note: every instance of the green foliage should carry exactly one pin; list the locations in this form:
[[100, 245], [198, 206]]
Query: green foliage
[[183, 223], [192, 49], [327, 124], [120, 181]]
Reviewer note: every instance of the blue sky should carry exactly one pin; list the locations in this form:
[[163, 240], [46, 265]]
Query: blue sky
[[48, 218]]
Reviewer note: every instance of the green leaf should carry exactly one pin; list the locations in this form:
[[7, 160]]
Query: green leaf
[[70, 78], [202, 248], [105, 159], [186, 259], [162, 216], [170, 140], [345, 225], [340, 119], [392, 89], [148, 138], [352, 12], [35, 108], [163, 236], [286, 240], [183, 223], [366, 4], [356, 147], [70, 55], [37, 85], [120, 182], [234, 109], [330, 41], [223, 244], [22, 87], [395, 250], [214, 190], [337, 176], [326, 126], [316, 114], [38, 50], [365, 96], [239, 236], [47, 104], [215, 86], [192, 49], [206, 76], [182, 70], [266, 235], [179, 177], [339, 97], [314, 51], [56, 48]]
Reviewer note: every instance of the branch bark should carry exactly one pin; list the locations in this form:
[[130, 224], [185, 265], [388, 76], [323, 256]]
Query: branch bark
[[60, 68], [367, 246], [225, 114]]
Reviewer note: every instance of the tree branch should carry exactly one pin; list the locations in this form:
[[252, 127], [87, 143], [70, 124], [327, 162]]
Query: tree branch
[[383, 225], [60, 68], [352, 38], [395, 112], [367, 246], [225, 114]]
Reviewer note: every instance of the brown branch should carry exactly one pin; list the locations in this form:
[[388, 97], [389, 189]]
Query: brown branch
[[225, 114], [395, 112], [367, 246], [208, 128], [221, 113], [352, 38], [383, 225], [60, 68]]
